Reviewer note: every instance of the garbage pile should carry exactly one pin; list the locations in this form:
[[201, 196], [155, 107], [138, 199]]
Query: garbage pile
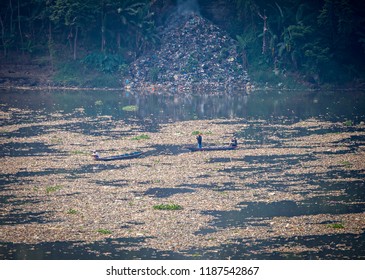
[[194, 55]]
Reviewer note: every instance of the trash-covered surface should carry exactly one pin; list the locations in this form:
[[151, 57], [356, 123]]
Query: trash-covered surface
[[195, 54], [305, 180]]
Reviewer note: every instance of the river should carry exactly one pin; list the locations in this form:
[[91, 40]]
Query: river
[[268, 120]]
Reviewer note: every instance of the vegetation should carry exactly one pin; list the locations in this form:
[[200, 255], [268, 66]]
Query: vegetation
[[141, 137], [346, 164], [72, 212], [337, 226], [170, 206], [130, 108], [196, 132], [317, 41], [52, 189], [348, 123], [104, 231]]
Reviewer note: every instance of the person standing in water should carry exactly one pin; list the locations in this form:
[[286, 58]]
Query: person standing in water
[[233, 142], [199, 138]]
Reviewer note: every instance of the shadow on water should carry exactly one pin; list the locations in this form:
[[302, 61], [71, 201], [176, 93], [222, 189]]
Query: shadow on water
[[335, 246], [221, 187], [25, 149], [328, 247], [166, 192], [260, 210], [167, 150], [108, 249], [24, 218], [20, 177]]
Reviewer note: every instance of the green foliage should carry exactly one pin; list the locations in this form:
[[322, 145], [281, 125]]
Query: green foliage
[[323, 39], [123, 69], [170, 206], [72, 211], [104, 231], [79, 13], [106, 63], [77, 152], [130, 108], [348, 123], [52, 189], [99, 103], [337, 226], [196, 132], [346, 164], [72, 73], [141, 137]]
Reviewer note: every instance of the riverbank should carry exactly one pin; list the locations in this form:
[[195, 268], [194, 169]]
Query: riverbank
[[32, 76]]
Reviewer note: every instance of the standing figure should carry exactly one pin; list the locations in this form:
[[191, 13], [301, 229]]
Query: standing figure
[[234, 142], [199, 138], [95, 155]]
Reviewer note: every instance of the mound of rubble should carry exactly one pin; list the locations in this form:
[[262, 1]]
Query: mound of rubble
[[194, 55]]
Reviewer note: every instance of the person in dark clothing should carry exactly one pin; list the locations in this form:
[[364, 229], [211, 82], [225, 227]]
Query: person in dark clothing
[[234, 142], [199, 138]]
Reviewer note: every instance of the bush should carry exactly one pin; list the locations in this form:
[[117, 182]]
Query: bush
[[106, 63]]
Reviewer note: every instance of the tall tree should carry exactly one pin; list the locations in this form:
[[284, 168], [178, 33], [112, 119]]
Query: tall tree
[[76, 15]]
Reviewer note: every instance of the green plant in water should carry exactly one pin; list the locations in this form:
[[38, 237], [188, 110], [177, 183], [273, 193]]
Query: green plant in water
[[72, 211], [170, 206], [347, 164], [348, 123], [98, 103], [196, 132], [52, 189], [337, 226], [56, 140], [141, 137], [196, 255], [130, 108], [104, 231]]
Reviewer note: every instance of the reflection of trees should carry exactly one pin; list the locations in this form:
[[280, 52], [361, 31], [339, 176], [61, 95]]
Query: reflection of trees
[[186, 107]]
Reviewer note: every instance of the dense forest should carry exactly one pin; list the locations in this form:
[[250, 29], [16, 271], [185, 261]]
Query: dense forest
[[316, 41]]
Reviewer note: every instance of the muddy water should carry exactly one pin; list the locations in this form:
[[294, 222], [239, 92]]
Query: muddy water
[[154, 110]]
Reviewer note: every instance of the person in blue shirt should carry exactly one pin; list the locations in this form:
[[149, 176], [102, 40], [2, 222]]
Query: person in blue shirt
[[199, 138]]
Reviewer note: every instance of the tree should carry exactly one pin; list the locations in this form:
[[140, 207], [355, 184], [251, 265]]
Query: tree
[[76, 15]]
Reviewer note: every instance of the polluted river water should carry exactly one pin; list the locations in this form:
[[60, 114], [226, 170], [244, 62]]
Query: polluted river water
[[293, 189]]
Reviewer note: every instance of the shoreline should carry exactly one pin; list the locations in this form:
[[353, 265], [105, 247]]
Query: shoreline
[[34, 77]]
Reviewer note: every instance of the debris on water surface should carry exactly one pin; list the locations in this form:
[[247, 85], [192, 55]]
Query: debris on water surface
[[223, 194]]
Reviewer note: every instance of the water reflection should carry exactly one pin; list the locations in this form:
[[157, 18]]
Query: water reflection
[[155, 108]]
